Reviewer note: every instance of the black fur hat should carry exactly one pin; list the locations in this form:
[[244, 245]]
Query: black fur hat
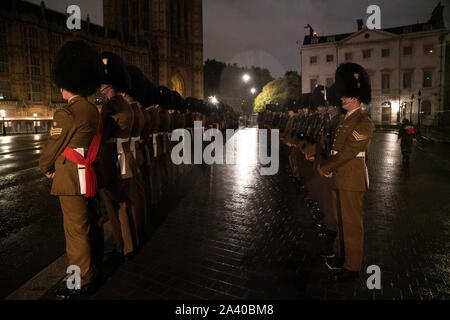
[[77, 68], [306, 101], [318, 97], [137, 88], [176, 100], [353, 81], [164, 97], [332, 97], [151, 94], [115, 72]]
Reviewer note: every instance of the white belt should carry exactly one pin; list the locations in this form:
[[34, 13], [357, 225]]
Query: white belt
[[81, 172], [133, 141], [121, 154], [359, 155]]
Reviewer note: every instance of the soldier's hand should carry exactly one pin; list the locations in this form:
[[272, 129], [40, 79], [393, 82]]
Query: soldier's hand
[[414, 139], [323, 174], [50, 175]]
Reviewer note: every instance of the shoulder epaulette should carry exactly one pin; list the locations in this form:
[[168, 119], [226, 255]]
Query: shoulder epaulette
[[65, 109]]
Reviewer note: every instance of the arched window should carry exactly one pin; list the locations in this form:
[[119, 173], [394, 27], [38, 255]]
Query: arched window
[[177, 84]]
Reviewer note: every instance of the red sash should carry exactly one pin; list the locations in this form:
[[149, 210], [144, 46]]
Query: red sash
[[74, 156]]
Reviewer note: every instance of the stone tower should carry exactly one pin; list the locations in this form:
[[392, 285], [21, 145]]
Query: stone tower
[[174, 31]]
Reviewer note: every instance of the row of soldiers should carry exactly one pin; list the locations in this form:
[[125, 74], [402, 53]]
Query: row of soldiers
[[119, 155], [325, 138]]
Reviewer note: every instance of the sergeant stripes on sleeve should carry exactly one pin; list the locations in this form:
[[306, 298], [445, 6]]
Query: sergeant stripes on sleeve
[[358, 136]]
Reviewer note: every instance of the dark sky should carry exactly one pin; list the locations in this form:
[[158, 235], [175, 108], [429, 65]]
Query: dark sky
[[264, 32]]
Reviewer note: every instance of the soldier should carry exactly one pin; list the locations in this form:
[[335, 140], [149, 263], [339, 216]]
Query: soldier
[[136, 188], [115, 161], [407, 135], [347, 169], [67, 159]]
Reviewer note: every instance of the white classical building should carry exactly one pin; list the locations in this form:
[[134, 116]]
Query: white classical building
[[401, 61]]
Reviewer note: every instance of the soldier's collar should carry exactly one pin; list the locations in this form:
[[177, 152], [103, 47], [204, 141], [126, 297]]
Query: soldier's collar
[[354, 111], [74, 99]]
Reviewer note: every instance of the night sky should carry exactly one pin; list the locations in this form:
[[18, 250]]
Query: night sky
[[264, 32]]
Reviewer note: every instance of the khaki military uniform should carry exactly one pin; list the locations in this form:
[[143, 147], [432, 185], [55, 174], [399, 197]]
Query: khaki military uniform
[[136, 185], [74, 126], [115, 170], [349, 182]]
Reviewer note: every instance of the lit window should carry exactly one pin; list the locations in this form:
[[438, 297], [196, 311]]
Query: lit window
[[427, 79], [428, 49]]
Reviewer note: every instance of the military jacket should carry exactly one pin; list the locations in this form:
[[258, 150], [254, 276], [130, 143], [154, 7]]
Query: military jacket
[[73, 126], [352, 138]]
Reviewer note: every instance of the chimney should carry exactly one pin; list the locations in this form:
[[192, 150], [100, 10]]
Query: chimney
[[360, 24]]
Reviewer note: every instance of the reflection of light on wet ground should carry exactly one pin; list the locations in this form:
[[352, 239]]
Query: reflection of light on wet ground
[[36, 137], [245, 157], [6, 148], [4, 140]]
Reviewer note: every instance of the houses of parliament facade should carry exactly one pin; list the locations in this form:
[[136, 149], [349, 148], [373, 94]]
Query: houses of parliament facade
[[164, 38]]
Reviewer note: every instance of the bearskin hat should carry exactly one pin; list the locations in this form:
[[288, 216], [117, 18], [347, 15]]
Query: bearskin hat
[[151, 94], [77, 68], [332, 97], [176, 100], [306, 101], [115, 72], [318, 96], [137, 88], [353, 81], [164, 97]]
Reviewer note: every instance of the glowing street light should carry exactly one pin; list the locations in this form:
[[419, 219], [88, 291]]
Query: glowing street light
[[35, 122], [246, 77], [253, 90], [213, 100], [3, 114]]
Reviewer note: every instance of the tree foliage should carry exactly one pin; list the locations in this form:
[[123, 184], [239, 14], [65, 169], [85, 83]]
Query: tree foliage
[[225, 82], [279, 91]]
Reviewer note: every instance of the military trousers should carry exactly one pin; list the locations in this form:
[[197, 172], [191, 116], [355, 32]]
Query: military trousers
[[119, 218], [350, 238], [320, 189], [84, 235], [134, 191]]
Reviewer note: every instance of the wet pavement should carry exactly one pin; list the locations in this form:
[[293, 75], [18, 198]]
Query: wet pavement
[[31, 233], [229, 233], [239, 235]]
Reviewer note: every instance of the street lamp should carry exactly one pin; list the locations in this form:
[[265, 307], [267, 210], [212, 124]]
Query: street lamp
[[410, 109], [35, 122], [253, 90], [3, 113], [246, 77], [213, 100]]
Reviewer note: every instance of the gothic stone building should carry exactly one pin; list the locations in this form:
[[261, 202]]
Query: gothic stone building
[[164, 38]]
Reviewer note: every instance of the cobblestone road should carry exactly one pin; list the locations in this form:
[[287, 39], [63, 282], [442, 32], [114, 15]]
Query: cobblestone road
[[238, 235]]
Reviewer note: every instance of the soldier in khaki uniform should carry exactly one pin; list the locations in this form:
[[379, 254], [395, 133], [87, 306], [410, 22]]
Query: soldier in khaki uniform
[[115, 161], [77, 70], [136, 188], [347, 169]]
